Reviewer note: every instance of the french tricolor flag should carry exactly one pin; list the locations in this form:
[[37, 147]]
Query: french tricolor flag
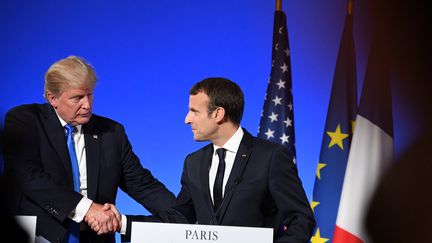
[[370, 154]]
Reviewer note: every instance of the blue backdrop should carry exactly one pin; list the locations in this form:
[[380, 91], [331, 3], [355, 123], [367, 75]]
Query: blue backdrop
[[147, 54]]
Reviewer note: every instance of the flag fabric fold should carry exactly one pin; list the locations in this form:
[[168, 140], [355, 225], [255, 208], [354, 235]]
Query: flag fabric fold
[[277, 119], [371, 151], [336, 141]]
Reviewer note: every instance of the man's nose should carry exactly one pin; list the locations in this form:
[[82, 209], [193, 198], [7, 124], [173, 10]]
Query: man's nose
[[86, 102], [187, 118]]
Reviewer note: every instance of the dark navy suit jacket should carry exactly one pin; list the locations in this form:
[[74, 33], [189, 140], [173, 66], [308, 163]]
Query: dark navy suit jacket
[[263, 190], [37, 162]]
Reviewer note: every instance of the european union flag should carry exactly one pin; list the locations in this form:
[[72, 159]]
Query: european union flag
[[277, 119], [337, 137]]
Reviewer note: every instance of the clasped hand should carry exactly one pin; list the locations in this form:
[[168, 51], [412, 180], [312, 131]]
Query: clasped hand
[[103, 219]]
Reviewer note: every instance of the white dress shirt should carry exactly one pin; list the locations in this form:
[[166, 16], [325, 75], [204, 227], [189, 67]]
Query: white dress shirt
[[231, 147], [83, 206]]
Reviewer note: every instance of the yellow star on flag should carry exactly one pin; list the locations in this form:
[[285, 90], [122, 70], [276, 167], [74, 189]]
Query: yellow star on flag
[[336, 137], [318, 172], [313, 204], [317, 238]]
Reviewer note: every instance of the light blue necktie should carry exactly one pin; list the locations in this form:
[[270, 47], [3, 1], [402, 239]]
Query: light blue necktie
[[71, 146], [74, 229]]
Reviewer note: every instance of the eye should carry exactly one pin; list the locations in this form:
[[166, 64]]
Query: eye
[[76, 99]]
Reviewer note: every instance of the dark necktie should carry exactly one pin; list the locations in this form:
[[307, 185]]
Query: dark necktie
[[74, 229], [218, 184]]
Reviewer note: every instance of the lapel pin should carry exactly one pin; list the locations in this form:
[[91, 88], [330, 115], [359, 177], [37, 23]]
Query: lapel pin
[[95, 136], [244, 155]]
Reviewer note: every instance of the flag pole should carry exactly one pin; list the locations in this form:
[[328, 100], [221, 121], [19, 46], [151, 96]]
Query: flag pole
[[350, 6], [278, 5]]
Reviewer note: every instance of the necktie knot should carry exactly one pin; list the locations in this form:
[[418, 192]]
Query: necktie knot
[[221, 153], [69, 129]]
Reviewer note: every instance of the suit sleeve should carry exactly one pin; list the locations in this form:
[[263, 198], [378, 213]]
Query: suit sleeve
[[139, 183], [26, 170], [288, 193], [182, 211]]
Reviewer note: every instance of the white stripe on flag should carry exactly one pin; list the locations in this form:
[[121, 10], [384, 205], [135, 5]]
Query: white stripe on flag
[[371, 152]]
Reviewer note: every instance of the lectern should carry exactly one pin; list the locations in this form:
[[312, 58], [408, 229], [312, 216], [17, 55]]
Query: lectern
[[143, 232]]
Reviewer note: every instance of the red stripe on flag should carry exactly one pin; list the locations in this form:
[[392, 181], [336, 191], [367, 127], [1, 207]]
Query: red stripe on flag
[[343, 236]]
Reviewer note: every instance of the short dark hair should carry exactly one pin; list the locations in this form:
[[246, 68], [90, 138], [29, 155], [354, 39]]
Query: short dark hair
[[222, 93]]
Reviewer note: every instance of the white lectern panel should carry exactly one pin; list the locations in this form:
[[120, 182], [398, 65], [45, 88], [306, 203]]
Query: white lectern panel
[[28, 223], [143, 232]]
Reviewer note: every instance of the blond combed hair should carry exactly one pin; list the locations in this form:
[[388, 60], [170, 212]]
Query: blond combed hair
[[71, 71]]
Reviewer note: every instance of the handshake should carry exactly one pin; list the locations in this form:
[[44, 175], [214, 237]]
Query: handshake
[[103, 219]]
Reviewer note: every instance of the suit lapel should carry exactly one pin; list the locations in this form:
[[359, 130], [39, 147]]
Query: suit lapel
[[56, 135], [204, 174], [92, 138], [240, 162]]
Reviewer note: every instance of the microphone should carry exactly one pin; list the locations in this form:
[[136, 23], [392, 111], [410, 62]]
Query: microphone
[[227, 194]]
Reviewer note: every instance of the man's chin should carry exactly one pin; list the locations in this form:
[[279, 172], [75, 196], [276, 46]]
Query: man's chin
[[199, 139], [83, 120]]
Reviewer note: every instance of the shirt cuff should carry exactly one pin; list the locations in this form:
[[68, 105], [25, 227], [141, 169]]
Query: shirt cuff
[[81, 209], [123, 224]]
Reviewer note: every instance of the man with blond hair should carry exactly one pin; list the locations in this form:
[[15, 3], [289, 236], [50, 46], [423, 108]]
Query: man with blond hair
[[66, 162]]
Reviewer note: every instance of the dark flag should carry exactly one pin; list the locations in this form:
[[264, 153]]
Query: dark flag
[[336, 141], [277, 120]]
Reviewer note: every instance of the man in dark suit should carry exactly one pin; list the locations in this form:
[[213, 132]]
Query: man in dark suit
[[251, 182], [39, 161]]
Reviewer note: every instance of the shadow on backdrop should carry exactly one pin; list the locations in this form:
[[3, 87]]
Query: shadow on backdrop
[[399, 210]]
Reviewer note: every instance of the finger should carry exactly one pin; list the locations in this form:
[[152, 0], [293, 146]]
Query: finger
[[110, 225], [104, 228], [96, 228], [116, 225], [106, 206], [94, 224], [117, 222], [107, 222], [116, 213], [90, 221]]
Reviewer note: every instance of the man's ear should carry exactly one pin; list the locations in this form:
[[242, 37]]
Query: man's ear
[[52, 99], [219, 114]]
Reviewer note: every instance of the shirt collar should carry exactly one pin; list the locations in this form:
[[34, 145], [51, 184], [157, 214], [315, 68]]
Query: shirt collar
[[63, 123], [233, 143]]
